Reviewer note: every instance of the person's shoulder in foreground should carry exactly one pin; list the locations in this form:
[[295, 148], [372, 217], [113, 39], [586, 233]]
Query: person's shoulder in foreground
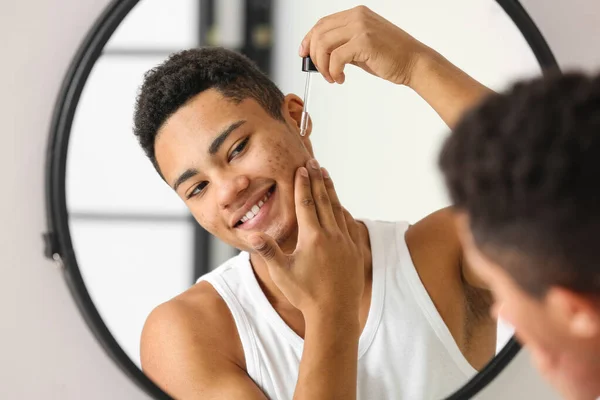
[[522, 169]]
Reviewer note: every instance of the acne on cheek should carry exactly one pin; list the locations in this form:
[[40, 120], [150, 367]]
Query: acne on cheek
[[281, 154], [275, 153], [273, 166]]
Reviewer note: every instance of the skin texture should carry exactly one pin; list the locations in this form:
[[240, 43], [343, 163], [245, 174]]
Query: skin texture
[[564, 336], [190, 346]]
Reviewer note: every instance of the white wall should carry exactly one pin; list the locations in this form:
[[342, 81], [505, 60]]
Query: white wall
[[46, 349], [571, 28]]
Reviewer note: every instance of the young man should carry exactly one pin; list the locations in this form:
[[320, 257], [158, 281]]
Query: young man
[[523, 172], [300, 313]]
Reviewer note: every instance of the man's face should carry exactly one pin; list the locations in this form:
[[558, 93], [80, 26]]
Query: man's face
[[560, 356], [234, 165]]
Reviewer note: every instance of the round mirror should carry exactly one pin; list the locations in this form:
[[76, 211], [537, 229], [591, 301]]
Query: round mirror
[[129, 243]]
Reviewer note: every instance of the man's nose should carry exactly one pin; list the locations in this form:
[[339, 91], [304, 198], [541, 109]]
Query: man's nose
[[230, 189]]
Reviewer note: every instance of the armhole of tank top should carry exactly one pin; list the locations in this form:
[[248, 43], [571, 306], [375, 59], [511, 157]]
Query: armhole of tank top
[[426, 304], [245, 331]]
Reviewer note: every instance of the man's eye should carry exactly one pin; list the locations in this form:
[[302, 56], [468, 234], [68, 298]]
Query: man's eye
[[198, 189], [238, 149]]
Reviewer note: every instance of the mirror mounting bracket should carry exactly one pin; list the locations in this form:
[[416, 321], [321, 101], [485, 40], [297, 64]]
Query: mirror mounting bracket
[[51, 249]]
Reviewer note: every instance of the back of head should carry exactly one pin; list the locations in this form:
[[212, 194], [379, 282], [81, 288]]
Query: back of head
[[188, 73], [525, 167]]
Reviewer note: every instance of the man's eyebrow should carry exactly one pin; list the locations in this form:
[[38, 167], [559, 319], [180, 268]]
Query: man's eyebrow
[[212, 150], [216, 144], [189, 173]]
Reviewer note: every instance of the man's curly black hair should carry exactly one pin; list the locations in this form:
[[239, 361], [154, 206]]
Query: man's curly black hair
[[188, 73], [525, 167]]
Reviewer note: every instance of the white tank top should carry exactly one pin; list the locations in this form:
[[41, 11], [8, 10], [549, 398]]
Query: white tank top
[[405, 350]]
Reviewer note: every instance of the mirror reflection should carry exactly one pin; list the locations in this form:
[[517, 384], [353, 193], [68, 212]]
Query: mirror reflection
[[425, 321]]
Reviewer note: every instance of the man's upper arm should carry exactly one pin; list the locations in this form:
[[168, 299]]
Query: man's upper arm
[[442, 225], [182, 353], [466, 270]]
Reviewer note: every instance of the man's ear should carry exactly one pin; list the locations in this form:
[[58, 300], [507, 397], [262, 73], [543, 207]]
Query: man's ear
[[292, 112], [578, 313]]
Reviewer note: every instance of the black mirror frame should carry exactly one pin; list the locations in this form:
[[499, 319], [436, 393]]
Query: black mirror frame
[[58, 237]]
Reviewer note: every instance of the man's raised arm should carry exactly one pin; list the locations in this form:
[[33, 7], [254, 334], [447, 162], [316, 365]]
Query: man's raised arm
[[363, 38]]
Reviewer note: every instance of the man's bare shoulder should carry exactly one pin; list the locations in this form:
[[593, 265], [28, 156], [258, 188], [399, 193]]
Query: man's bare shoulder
[[434, 241], [191, 349], [198, 317]]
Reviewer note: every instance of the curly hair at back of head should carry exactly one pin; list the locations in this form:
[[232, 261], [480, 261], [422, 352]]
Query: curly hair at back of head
[[188, 73], [525, 167]]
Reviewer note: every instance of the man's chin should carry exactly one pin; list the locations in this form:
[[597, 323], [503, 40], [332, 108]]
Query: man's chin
[[285, 237]]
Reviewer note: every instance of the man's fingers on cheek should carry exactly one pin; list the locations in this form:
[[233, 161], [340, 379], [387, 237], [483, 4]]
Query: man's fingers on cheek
[[302, 182], [302, 174], [351, 224], [327, 177], [307, 202], [314, 169], [304, 202], [336, 206], [323, 198]]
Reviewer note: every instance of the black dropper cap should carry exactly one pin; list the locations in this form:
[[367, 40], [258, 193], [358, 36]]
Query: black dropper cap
[[308, 65]]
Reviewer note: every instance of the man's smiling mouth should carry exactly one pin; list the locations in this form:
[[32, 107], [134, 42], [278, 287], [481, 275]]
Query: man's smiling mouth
[[255, 209]]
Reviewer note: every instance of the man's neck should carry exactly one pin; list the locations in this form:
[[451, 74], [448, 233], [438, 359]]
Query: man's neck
[[275, 295], [583, 367]]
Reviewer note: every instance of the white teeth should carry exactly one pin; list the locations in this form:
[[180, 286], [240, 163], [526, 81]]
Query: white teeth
[[255, 209]]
